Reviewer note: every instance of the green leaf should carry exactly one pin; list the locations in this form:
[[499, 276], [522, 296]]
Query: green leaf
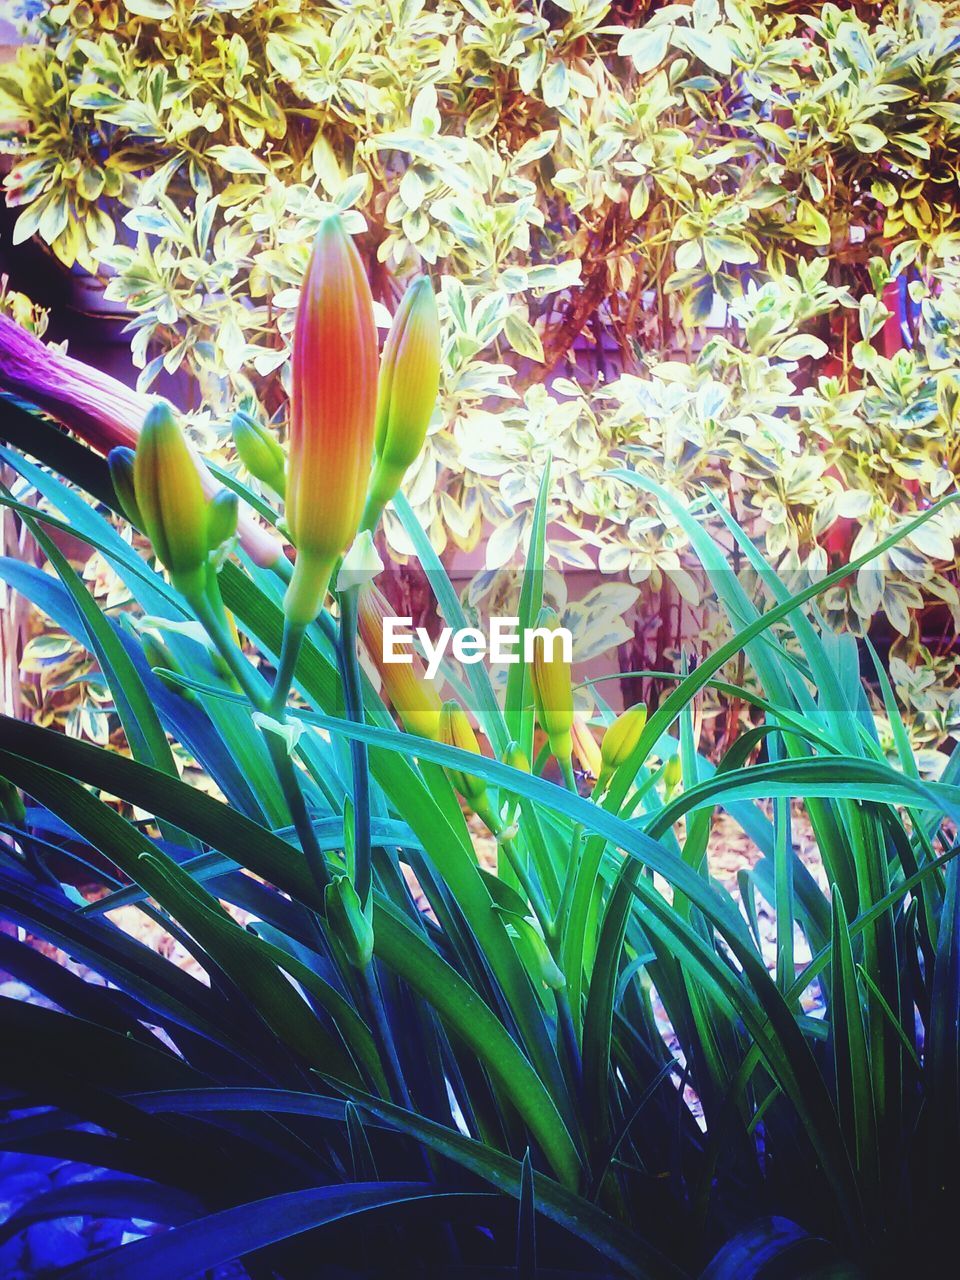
[[852, 1062], [233, 1233], [555, 85], [867, 138], [647, 46], [523, 337], [237, 159]]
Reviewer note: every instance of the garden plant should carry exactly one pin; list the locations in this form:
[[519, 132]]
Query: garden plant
[[465, 996], [575, 1063]]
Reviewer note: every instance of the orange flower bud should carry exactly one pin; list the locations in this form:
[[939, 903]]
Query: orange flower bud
[[406, 393], [552, 687], [332, 408], [585, 746], [413, 696], [171, 500]]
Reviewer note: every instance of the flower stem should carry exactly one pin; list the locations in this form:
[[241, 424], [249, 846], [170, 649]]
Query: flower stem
[[384, 1037], [530, 888], [287, 665], [209, 609], [353, 697]]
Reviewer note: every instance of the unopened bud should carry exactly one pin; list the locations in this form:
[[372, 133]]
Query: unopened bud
[[223, 512], [413, 696], [406, 393], [260, 452], [457, 731], [585, 746], [552, 687], [672, 775], [620, 741], [120, 462], [515, 756], [333, 399], [12, 809], [162, 662], [350, 924], [171, 501]]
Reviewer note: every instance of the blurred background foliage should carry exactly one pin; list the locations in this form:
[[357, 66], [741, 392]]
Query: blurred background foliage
[[716, 240]]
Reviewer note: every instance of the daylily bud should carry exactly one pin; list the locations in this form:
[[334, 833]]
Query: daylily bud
[[620, 741], [552, 688], [585, 746], [515, 756], [157, 653], [260, 452], [457, 731], [540, 962], [120, 462], [171, 501], [350, 924], [672, 775], [161, 661], [332, 408], [413, 696], [406, 394], [222, 518]]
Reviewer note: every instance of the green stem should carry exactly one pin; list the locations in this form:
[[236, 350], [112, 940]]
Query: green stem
[[300, 815], [384, 1037], [283, 569], [209, 609], [570, 878], [529, 886], [283, 681], [371, 515], [353, 697]]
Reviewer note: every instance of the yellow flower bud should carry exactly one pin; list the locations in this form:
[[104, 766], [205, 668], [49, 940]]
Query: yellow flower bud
[[515, 756], [620, 740], [120, 462], [672, 775], [456, 731], [406, 393], [260, 452], [171, 501], [552, 687]]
